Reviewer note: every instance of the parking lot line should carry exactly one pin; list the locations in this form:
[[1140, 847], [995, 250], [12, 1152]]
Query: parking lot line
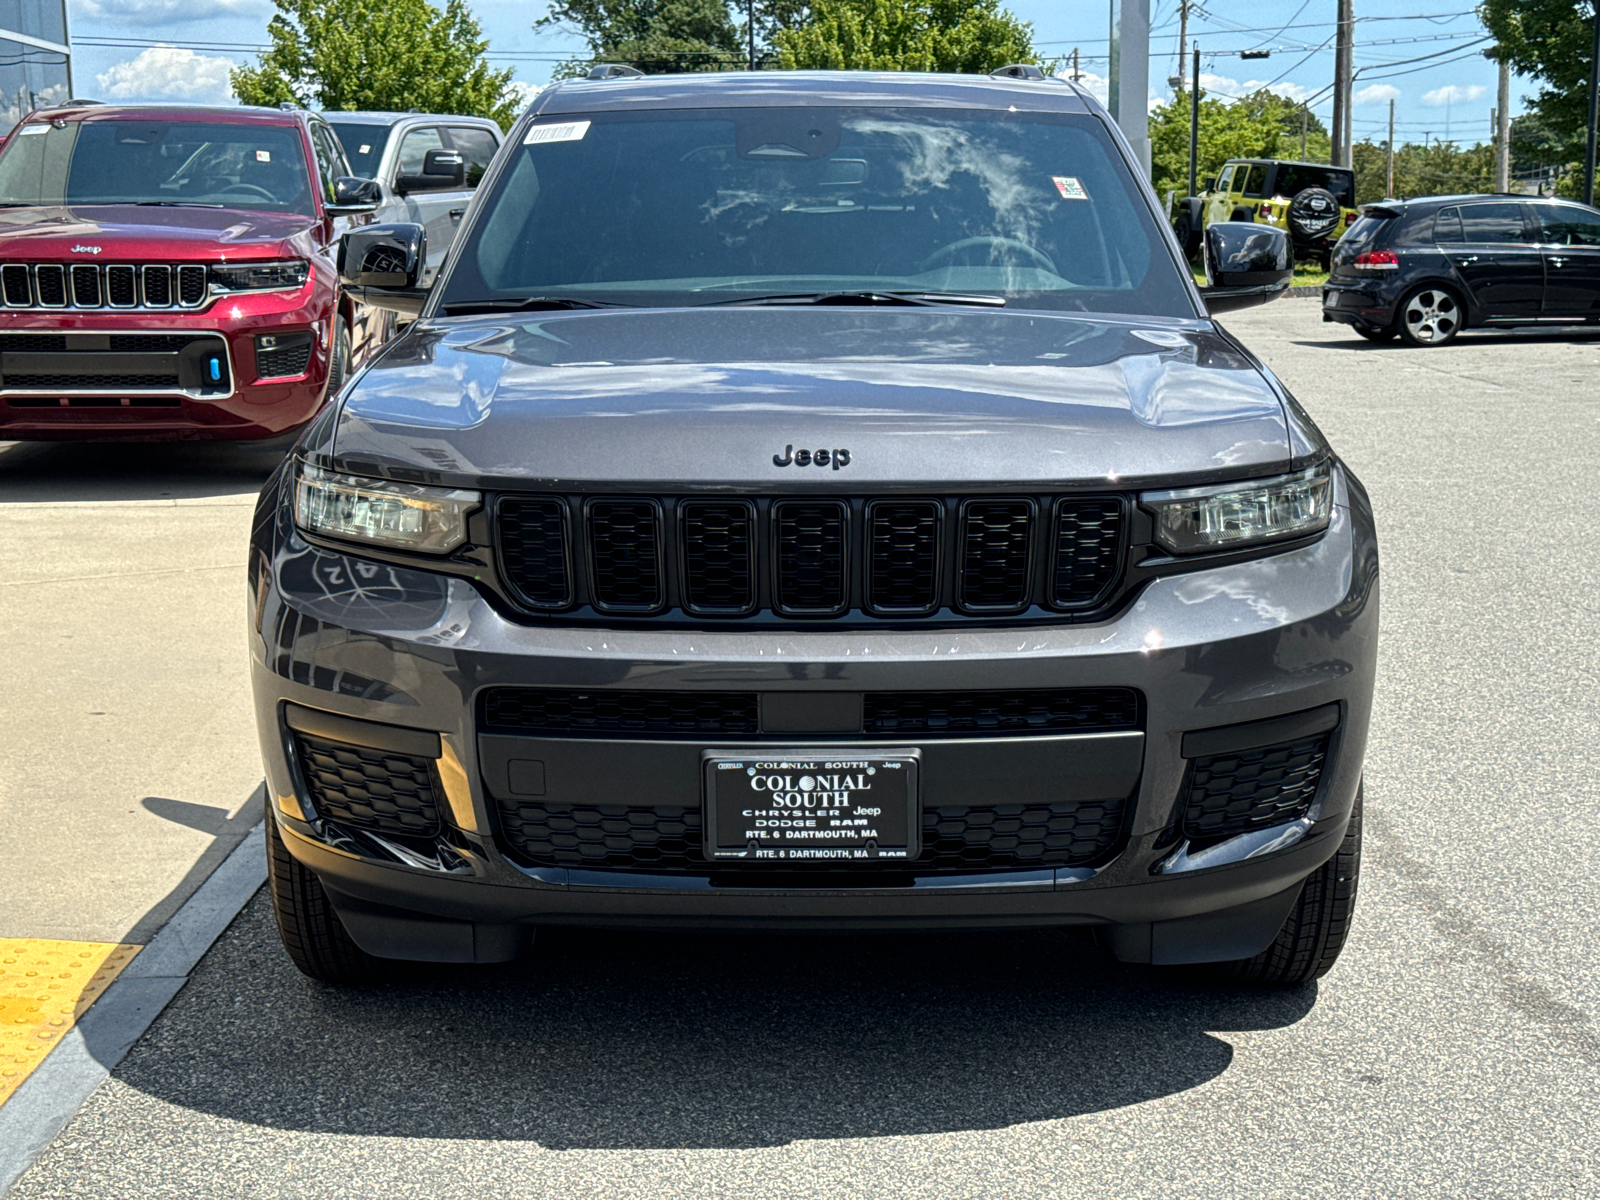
[[45, 987]]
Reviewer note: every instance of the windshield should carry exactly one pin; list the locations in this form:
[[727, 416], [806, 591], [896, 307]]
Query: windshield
[[692, 207], [120, 161], [1292, 181], [363, 145]]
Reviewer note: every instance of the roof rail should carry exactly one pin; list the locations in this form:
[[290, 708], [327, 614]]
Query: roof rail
[[614, 71], [288, 105], [1017, 71]]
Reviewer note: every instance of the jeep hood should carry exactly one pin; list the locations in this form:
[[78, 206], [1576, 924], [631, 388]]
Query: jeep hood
[[139, 234], [918, 397]]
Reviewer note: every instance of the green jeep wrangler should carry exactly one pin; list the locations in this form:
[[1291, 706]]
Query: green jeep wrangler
[[1313, 201]]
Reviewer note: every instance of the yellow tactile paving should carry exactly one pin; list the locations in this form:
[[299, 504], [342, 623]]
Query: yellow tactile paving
[[44, 988]]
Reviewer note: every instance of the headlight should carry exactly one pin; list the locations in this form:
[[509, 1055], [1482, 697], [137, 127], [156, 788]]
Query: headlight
[[407, 516], [286, 276], [1242, 514]]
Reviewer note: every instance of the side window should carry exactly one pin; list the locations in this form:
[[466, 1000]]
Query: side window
[[1569, 226], [1255, 183], [1497, 224], [477, 146], [1447, 226], [1225, 180], [415, 148], [330, 159]]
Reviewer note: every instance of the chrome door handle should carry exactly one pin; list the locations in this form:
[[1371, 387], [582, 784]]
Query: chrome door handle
[[1557, 260], [1468, 258], [457, 213]]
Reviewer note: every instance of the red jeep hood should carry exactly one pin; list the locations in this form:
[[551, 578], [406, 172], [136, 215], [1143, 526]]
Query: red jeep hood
[[125, 232]]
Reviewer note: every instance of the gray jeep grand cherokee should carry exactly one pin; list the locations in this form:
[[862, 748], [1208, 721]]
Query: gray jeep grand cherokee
[[814, 501]]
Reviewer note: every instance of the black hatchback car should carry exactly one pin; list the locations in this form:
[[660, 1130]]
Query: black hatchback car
[[1427, 269]]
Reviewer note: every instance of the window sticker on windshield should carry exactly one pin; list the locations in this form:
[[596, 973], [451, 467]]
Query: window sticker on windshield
[[1069, 187], [263, 155], [365, 149], [569, 131], [28, 130]]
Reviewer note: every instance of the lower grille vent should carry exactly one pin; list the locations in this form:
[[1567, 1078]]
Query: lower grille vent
[[379, 790], [1048, 710], [621, 712], [1230, 794]]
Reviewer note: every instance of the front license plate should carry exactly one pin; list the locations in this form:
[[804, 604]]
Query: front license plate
[[789, 807]]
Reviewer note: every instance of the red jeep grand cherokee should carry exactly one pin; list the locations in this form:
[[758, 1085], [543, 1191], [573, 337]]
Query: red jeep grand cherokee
[[168, 273]]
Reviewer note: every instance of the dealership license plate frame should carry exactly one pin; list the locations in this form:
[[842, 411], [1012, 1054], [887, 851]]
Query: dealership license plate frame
[[729, 766]]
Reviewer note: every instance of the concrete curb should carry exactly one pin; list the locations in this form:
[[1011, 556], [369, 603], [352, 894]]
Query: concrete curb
[[47, 1100]]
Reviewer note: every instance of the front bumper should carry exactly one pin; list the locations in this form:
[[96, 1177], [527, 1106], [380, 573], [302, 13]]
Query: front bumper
[[253, 408], [1265, 641]]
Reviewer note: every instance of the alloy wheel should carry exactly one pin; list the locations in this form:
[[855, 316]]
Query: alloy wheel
[[1432, 316]]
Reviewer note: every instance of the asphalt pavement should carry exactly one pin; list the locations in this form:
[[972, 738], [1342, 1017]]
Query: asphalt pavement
[[1452, 1052]]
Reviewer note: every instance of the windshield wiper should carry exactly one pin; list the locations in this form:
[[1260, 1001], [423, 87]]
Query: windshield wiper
[[892, 298], [524, 304], [174, 204]]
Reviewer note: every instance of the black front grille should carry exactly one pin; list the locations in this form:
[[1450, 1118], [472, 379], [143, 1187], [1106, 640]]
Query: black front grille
[[51, 282], [122, 287], [1230, 794], [810, 547], [813, 559], [86, 286], [191, 286], [996, 553], [533, 551], [668, 839], [559, 710], [719, 556], [157, 287], [152, 342], [1087, 550], [903, 558], [16, 282], [1043, 710], [385, 792], [95, 382], [625, 555]]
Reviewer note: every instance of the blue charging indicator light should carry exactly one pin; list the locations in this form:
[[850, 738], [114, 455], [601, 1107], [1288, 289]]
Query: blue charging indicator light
[[216, 369]]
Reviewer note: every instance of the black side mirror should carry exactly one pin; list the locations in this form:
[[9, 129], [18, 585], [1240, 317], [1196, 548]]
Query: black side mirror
[[381, 264], [442, 171], [352, 196], [1246, 264]]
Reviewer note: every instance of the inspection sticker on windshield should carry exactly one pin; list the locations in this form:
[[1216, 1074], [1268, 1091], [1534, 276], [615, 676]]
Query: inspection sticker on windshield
[[1069, 187], [263, 155], [569, 131]]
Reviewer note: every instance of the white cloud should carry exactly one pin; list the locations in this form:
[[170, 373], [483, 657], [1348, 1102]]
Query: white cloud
[[1377, 93], [1098, 86], [159, 12], [1289, 91], [522, 94], [167, 73], [1452, 94], [1228, 89]]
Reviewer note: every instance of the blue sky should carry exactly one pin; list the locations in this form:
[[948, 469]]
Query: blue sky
[[182, 49]]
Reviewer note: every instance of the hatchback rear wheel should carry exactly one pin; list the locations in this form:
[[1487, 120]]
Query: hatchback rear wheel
[[1430, 316]]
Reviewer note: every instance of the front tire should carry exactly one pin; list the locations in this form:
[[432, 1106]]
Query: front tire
[[316, 940], [1313, 935], [1430, 316]]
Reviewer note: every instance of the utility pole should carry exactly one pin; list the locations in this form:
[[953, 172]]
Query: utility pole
[[1305, 124], [1343, 75], [1194, 122], [1503, 131], [1130, 75], [1183, 43], [1388, 185], [1594, 112], [750, 26], [1076, 74]]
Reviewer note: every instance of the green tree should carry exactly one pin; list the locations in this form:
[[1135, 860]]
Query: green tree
[[1260, 125], [653, 35], [1439, 169], [972, 36], [1552, 41], [387, 55]]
